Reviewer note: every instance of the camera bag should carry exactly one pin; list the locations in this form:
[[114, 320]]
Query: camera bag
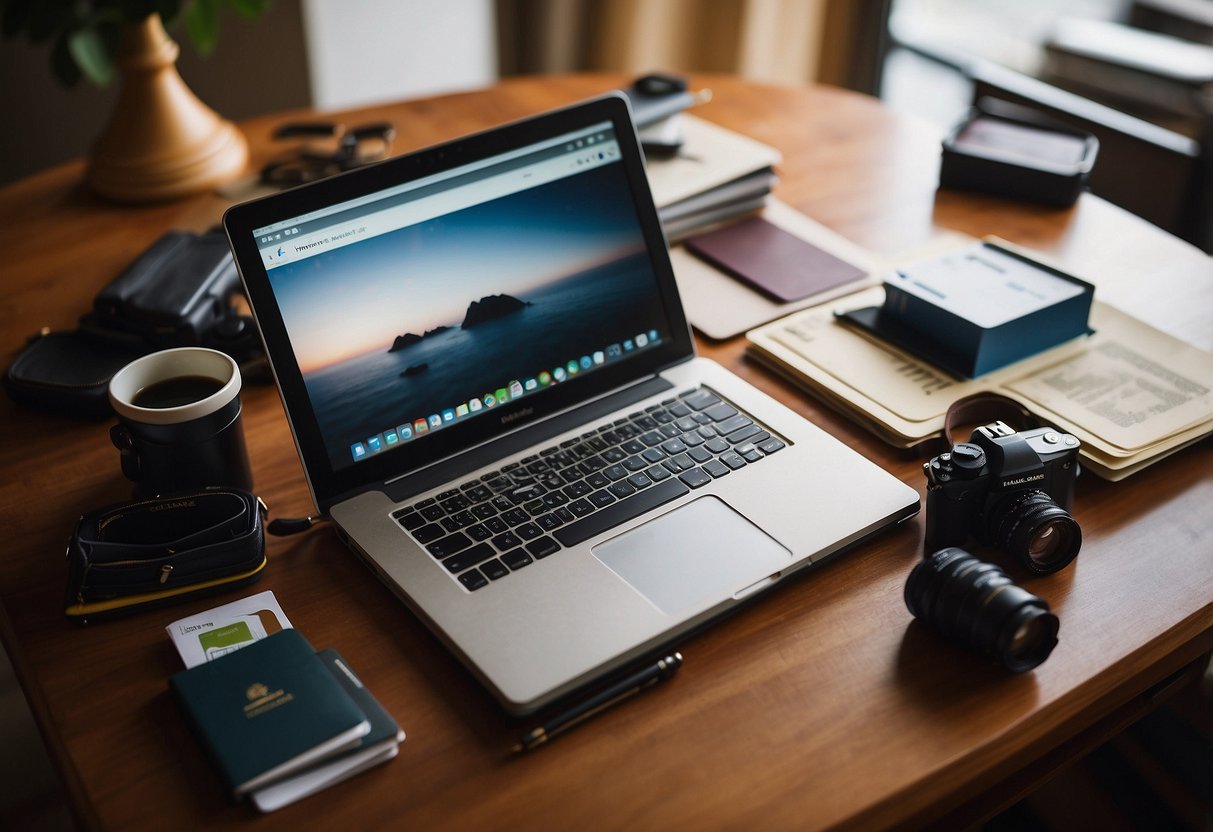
[[69, 372], [173, 294], [135, 555], [177, 293]]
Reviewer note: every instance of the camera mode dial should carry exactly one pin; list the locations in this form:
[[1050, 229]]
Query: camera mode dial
[[968, 459], [965, 461]]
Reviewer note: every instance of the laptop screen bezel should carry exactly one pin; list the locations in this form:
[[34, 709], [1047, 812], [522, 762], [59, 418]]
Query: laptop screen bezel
[[240, 221]]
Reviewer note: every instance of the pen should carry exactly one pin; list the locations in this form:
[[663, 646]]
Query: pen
[[578, 712]]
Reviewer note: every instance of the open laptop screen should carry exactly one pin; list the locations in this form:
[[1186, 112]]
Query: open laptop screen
[[419, 309]]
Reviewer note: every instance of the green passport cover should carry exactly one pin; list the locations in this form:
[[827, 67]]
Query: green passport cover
[[370, 750], [267, 710]]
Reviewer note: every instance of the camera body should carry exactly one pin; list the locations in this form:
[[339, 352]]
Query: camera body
[[1007, 489]]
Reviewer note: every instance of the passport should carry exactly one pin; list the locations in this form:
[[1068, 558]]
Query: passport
[[268, 710], [774, 261], [379, 745]]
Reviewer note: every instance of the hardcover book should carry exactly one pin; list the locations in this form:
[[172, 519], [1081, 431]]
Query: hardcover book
[[268, 710]]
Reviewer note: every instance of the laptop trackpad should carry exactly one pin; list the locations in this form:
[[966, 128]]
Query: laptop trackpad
[[700, 553]]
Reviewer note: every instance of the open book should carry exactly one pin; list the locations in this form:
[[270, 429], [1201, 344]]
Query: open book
[[1130, 393]]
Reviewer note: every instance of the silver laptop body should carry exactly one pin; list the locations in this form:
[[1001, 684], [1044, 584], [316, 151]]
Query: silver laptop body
[[494, 392]]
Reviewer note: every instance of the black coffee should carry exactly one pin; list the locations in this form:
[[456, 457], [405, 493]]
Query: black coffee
[[177, 391]]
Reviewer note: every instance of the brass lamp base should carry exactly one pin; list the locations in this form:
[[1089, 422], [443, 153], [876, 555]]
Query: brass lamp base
[[161, 142]]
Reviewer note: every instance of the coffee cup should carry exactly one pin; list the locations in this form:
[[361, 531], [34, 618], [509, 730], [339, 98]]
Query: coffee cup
[[179, 424]]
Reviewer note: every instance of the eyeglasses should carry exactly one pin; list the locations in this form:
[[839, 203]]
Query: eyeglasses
[[328, 149]]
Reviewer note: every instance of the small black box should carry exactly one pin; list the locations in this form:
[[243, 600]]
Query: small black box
[[1014, 151]]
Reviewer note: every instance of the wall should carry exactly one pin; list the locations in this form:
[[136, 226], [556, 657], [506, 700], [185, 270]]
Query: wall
[[301, 53], [258, 67], [379, 50]]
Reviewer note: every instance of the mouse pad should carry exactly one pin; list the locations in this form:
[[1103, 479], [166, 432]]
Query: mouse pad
[[693, 556], [772, 260]]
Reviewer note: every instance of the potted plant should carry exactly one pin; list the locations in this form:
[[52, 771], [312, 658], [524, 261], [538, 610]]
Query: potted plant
[[161, 142]]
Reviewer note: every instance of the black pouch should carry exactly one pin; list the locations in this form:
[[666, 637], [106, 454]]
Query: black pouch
[[69, 372], [177, 293], [151, 552], [174, 294]]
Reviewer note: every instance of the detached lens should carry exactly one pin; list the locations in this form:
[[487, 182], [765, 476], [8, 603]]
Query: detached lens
[[1036, 531], [977, 606]]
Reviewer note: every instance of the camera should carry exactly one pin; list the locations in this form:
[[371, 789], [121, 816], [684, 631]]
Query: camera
[[976, 605], [1010, 490]]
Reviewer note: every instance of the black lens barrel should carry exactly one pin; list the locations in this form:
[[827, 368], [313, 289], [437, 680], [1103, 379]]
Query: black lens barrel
[[977, 606], [1036, 531]]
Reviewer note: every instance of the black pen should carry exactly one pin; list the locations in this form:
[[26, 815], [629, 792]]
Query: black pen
[[579, 712]]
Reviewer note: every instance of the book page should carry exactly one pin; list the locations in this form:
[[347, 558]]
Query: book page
[[1129, 392], [915, 391], [1133, 387]]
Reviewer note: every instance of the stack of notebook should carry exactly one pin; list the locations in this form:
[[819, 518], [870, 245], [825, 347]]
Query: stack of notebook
[[701, 174], [281, 721], [716, 175]]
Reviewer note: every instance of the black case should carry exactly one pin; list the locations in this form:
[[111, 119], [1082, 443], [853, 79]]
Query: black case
[[1017, 177], [175, 294], [147, 553], [69, 372]]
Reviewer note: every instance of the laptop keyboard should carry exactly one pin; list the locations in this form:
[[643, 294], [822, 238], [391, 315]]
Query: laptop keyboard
[[505, 520]]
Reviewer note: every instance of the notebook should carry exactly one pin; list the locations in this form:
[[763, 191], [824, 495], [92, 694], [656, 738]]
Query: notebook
[[494, 392]]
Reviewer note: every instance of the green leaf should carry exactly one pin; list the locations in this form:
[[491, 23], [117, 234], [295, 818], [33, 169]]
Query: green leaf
[[202, 25], [250, 9], [91, 54], [63, 64]]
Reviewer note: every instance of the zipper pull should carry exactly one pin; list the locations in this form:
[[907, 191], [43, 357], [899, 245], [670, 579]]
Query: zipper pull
[[165, 571]]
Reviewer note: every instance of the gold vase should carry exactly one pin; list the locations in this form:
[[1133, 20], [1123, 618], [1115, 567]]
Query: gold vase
[[161, 141]]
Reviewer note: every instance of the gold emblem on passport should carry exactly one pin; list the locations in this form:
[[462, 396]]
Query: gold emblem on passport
[[262, 700]]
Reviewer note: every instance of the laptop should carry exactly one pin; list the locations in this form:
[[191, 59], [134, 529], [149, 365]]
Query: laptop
[[494, 392]]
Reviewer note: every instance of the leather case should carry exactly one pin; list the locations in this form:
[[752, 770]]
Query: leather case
[[69, 372], [774, 261], [176, 293], [135, 555], [172, 294]]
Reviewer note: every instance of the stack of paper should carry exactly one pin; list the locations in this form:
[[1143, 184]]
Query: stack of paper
[[279, 720], [1131, 394], [716, 175]]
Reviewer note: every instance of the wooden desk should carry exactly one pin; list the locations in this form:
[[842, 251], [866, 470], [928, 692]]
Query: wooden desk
[[818, 706]]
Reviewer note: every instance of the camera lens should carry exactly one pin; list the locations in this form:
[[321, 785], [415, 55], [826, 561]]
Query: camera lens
[[1035, 530], [977, 606]]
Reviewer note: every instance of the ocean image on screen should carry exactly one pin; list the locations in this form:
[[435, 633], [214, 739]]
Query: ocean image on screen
[[413, 323]]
